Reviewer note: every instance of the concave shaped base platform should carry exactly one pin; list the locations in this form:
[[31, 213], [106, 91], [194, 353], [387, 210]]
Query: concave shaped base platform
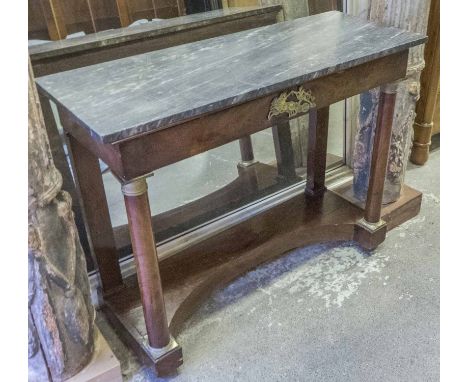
[[191, 276]]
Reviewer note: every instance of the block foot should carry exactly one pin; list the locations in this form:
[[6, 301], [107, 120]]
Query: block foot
[[370, 235]]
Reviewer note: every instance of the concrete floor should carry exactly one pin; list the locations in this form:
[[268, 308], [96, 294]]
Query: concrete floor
[[324, 313]]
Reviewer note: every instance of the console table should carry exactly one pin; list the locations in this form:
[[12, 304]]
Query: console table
[[144, 112], [95, 48]]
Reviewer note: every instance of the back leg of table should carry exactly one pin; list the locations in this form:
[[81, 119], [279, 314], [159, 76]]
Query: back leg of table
[[60, 160], [93, 196], [317, 152], [246, 149], [284, 151]]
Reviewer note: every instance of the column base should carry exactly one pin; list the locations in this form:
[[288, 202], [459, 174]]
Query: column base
[[370, 235], [422, 143], [420, 153], [166, 360], [246, 163], [314, 193]]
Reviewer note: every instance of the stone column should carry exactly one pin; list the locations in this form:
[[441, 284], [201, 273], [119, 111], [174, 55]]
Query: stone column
[[61, 317], [410, 15]]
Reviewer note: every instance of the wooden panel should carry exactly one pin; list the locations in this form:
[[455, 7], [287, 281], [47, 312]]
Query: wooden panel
[[133, 10], [55, 20], [105, 14], [37, 23], [166, 9], [77, 16], [124, 14], [320, 6], [181, 6], [140, 9]]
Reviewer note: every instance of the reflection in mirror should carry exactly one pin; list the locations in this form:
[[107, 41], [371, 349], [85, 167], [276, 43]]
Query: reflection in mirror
[[200, 189]]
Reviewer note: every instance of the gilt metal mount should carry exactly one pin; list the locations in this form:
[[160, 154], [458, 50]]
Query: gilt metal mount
[[293, 102]]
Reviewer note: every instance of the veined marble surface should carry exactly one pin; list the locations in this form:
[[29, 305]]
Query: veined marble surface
[[119, 99], [147, 30]]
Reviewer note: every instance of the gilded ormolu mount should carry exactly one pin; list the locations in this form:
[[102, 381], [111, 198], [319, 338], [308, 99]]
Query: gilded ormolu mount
[[293, 102]]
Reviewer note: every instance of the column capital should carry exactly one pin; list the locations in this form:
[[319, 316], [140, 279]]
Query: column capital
[[136, 187]]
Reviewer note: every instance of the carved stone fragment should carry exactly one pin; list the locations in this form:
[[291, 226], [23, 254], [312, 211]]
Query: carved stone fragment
[[61, 317]]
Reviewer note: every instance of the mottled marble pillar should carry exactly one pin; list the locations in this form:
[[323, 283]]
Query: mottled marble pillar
[[411, 15], [61, 317]]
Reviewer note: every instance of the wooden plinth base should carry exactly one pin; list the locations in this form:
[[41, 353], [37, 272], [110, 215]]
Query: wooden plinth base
[[191, 276]]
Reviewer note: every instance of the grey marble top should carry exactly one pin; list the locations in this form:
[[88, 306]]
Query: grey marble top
[[152, 29], [119, 99]]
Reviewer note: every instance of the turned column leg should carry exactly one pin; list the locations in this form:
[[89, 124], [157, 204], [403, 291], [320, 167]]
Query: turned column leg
[[284, 150], [317, 152], [91, 188], [246, 149], [139, 220], [371, 230], [430, 78]]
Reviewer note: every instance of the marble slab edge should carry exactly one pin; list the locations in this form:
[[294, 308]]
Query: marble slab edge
[[176, 119]]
